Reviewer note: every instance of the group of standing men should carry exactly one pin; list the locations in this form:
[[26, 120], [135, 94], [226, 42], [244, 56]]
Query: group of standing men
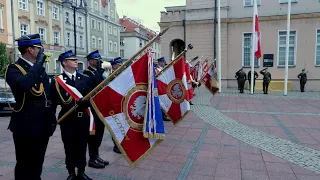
[[242, 77], [37, 96]]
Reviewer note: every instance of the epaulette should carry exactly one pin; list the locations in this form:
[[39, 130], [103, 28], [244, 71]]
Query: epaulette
[[84, 74], [89, 71]]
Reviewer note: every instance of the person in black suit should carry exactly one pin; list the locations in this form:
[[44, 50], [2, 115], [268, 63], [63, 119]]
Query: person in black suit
[[75, 127], [95, 72], [33, 118]]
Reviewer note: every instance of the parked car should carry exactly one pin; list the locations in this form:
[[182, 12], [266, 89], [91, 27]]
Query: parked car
[[5, 97]]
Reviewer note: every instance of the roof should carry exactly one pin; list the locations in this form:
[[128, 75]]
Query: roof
[[133, 26]]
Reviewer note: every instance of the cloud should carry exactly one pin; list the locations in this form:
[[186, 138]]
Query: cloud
[[147, 11]]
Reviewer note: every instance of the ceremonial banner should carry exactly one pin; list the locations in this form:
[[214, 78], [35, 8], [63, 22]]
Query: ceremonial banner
[[210, 80], [194, 71], [205, 67], [172, 87], [73, 92], [121, 106], [189, 83]]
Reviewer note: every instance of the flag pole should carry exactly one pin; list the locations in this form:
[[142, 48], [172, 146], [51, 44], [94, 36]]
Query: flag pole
[[113, 74], [219, 44], [287, 50], [253, 45]]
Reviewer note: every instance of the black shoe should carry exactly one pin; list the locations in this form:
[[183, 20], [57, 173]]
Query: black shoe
[[95, 164], [116, 150], [72, 175], [83, 176], [102, 161], [190, 103]]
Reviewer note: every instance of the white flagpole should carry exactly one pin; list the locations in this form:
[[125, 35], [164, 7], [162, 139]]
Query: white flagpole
[[219, 44], [254, 44], [287, 50]]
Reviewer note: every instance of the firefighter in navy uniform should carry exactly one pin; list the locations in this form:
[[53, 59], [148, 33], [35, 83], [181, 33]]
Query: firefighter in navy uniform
[[266, 80], [75, 127], [95, 72], [303, 79], [33, 118], [255, 75], [242, 77]]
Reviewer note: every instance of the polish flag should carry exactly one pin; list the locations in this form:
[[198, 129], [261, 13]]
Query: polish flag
[[256, 45]]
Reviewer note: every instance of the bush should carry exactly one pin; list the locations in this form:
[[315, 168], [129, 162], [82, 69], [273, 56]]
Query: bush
[[4, 59]]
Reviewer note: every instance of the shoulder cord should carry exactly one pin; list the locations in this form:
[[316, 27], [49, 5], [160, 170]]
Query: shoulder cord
[[68, 101]]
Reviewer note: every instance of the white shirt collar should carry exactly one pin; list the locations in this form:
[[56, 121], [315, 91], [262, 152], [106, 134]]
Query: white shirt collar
[[70, 75], [30, 63]]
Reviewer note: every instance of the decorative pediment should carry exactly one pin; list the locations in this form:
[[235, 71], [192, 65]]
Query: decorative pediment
[[56, 27], [25, 18], [43, 22]]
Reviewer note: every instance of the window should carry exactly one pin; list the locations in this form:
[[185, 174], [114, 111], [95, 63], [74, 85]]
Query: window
[[23, 29], [110, 46], [96, 6], [94, 44], [282, 48], [67, 16], [112, 14], [68, 39], [99, 43], [115, 49], [23, 4], [286, 1], [58, 66], [42, 33], [93, 23], [81, 41], [250, 2], [110, 29], [122, 53], [246, 51], [56, 38], [1, 19], [55, 13], [115, 31], [99, 26], [318, 48], [80, 65], [80, 21], [40, 7], [121, 42]]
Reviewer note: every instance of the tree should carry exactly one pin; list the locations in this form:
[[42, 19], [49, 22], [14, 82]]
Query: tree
[[4, 59]]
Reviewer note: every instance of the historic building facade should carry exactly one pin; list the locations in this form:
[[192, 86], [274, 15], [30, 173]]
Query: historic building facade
[[193, 24]]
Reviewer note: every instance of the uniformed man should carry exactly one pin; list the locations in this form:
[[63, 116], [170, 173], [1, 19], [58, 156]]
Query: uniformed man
[[75, 127], [254, 80], [266, 80], [161, 64], [33, 118], [303, 79], [95, 72], [237, 77], [242, 77]]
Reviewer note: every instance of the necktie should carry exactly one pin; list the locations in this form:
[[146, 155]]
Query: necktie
[[73, 80]]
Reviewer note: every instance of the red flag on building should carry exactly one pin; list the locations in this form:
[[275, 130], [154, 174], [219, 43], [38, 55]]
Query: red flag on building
[[172, 89], [257, 45]]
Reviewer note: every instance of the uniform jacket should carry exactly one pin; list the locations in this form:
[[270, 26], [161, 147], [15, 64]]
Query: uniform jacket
[[34, 118], [255, 75], [241, 76], [302, 76], [73, 125], [266, 76]]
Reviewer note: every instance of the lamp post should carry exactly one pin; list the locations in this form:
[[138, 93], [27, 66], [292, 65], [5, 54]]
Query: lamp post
[[74, 6]]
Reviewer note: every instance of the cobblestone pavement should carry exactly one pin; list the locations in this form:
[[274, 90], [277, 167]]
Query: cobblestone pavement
[[230, 136]]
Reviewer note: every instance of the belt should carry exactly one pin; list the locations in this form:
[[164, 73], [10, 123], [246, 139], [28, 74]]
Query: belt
[[47, 103]]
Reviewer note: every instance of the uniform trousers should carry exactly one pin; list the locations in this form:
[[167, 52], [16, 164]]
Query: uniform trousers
[[75, 148], [265, 86], [94, 141], [30, 152], [241, 84], [254, 84], [302, 84]]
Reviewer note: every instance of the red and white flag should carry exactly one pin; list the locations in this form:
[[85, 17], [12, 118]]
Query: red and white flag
[[194, 71], [256, 42], [189, 82], [173, 94], [205, 67], [121, 105], [210, 80]]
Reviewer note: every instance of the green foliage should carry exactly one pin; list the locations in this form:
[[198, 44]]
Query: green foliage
[[4, 59]]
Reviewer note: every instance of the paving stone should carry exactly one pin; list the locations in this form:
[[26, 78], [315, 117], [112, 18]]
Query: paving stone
[[254, 175]]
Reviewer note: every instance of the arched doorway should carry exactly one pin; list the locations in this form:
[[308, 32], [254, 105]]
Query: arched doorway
[[176, 47]]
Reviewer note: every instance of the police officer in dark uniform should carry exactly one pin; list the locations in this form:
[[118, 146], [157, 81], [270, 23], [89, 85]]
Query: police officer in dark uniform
[[75, 127], [237, 77], [33, 118], [242, 79], [266, 80], [303, 79], [95, 72], [254, 80]]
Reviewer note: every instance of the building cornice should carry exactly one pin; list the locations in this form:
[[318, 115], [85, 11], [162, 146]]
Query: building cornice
[[243, 20]]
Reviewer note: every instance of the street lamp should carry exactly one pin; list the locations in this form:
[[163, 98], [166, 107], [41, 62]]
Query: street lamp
[[81, 8]]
